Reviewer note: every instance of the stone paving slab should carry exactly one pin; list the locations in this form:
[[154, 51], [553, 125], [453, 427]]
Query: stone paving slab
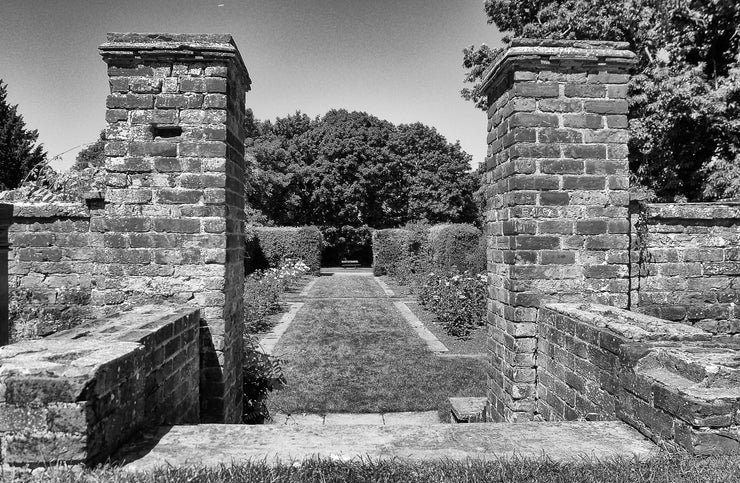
[[386, 289], [433, 344], [270, 340], [378, 419], [411, 417], [215, 444]]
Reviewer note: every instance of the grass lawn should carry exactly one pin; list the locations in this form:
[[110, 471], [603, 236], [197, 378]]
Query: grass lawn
[[360, 286], [361, 356], [473, 344], [665, 468]]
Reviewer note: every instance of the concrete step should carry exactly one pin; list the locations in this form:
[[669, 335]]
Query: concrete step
[[214, 444]]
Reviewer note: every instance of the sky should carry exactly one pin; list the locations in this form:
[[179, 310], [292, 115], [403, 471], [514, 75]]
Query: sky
[[400, 60]]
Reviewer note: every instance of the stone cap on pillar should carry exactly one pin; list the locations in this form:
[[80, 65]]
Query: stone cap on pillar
[[559, 56], [166, 46]]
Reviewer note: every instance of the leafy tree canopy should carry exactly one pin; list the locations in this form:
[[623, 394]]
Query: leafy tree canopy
[[353, 169], [92, 156], [685, 98], [18, 150]]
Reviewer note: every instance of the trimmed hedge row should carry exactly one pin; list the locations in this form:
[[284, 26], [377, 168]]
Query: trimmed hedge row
[[391, 247], [270, 246], [457, 245], [442, 246]]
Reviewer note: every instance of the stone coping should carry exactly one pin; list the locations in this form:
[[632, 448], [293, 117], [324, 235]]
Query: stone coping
[[197, 47], [49, 210], [693, 211], [706, 369], [555, 54], [629, 325], [75, 356]]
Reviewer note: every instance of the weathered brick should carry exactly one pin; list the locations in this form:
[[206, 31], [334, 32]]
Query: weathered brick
[[526, 119], [584, 151], [536, 89], [129, 101], [616, 106], [585, 90], [584, 120], [203, 84], [560, 105]]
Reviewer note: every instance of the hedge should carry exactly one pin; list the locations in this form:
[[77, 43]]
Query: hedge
[[390, 247], [275, 244], [457, 245]]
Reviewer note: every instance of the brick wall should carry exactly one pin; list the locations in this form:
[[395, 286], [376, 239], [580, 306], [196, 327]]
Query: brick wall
[[78, 395], [174, 208], [6, 217], [51, 251], [556, 185], [686, 264], [674, 383]]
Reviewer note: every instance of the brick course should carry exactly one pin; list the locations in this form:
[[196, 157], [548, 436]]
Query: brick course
[[555, 184]]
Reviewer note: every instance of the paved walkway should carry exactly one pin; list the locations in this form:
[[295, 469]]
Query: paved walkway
[[213, 444], [378, 290], [405, 436]]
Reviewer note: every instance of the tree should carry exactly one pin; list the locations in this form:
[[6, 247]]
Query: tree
[[685, 136], [353, 169], [18, 152], [92, 156]]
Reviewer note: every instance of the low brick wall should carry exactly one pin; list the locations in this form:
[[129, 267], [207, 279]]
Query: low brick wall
[[51, 250], [78, 395], [676, 384], [685, 264]]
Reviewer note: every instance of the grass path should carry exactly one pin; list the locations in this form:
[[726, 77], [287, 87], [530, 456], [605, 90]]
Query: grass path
[[360, 355]]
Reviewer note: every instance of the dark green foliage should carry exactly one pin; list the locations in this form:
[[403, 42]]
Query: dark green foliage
[[262, 374], [347, 243], [18, 152], [93, 156], [457, 245], [251, 242], [390, 247], [276, 244], [457, 299], [37, 313], [685, 98], [353, 169]]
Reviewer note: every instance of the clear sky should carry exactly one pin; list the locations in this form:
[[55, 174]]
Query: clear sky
[[397, 59]]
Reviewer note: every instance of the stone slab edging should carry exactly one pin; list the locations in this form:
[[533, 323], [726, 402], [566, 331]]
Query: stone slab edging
[[386, 289], [433, 344], [377, 419], [270, 340]]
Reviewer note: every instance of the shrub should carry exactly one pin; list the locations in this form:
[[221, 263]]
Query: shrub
[[457, 299], [262, 291], [390, 247], [276, 244], [457, 245], [261, 375], [250, 249], [347, 243], [33, 318]]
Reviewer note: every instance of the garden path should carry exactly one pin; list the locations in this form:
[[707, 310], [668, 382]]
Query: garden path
[[348, 351], [348, 345]]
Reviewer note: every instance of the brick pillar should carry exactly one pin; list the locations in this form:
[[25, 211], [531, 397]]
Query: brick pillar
[[556, 185], [6, 218], [174, 201]]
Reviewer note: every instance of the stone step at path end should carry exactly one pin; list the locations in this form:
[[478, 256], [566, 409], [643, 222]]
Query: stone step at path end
[[216, 444]]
